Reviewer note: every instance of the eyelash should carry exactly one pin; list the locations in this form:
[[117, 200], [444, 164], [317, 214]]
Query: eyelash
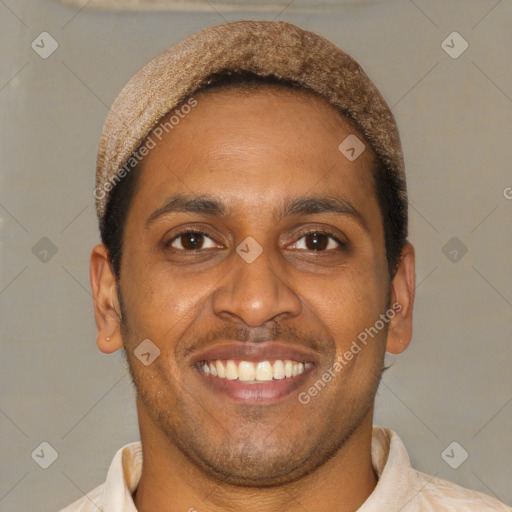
[[301, 234]]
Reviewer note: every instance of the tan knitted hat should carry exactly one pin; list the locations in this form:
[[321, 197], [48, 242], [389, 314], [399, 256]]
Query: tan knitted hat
[[261, 47]]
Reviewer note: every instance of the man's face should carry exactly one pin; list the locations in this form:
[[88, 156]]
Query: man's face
[[305, 298]]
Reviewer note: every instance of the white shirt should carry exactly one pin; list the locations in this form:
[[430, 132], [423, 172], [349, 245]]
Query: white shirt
[[400, 488]]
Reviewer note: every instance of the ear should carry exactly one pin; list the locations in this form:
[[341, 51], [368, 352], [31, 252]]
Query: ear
[[402, 301], [106, 303]]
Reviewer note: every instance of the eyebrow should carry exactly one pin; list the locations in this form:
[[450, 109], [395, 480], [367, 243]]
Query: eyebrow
[[304, 205]]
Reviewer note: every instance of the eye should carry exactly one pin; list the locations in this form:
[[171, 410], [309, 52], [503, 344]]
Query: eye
[[190, 241], [318, 240]]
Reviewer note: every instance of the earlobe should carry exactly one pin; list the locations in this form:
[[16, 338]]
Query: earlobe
[[109, 344], [402, 294], [106, 303]]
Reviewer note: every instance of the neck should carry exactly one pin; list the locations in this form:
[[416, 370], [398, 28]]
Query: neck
[[171, 482]]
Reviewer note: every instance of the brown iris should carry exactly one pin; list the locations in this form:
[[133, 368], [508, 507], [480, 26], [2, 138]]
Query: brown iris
[[320, 241]]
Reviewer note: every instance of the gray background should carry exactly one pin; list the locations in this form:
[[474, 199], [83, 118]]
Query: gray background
[[454, 381]]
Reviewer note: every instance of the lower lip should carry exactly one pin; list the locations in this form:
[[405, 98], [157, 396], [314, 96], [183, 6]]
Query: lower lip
[[256, 393]]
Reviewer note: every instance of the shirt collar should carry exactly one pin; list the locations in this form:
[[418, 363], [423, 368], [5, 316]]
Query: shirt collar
[[389, 458], [395, 487], [122, 479]]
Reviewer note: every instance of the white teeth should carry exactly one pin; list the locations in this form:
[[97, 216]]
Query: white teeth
[[248, 371], [278, 370], [288, 368], [264, 371], [220, 369], [231, 370]]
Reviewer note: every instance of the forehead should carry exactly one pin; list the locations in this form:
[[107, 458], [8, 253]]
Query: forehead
[[254, 146]]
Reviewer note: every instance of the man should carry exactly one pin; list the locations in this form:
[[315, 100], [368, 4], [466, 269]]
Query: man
[[255, 269]]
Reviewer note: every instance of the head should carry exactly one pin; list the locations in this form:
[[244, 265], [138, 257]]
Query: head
[[246, 227], [388, 189]]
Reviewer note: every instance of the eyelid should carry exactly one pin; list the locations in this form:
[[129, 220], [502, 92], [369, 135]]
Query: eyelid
[[186, 231], [322, 231]]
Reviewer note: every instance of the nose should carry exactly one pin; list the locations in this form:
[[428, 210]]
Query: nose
[[256, 292]]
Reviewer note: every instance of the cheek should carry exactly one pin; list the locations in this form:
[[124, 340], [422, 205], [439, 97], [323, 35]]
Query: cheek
[[350, 302], [160, 303], [350, 309]]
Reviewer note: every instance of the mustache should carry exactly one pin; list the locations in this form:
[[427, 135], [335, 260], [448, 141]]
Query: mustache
[[271, 331]]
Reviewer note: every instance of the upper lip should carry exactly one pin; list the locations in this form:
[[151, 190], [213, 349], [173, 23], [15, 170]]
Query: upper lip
[[251, 351]]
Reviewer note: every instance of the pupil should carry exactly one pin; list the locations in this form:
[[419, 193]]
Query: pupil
[[191, 240], [317, 244]]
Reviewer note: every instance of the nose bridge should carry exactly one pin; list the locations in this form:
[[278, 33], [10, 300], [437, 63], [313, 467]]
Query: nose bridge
[[253, 290]]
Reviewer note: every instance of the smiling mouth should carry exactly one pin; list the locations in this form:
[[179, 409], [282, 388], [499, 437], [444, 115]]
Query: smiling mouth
[[256, 372]]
